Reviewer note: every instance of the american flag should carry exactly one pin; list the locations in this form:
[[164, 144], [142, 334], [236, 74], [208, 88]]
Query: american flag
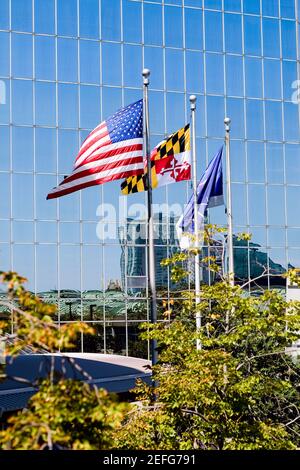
[[112, 151]]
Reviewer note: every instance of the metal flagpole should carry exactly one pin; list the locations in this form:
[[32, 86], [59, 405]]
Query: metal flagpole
[[193, 100], [227, 122], [151, 254]]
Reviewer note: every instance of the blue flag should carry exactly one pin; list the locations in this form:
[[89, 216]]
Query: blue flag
[[209, 194]]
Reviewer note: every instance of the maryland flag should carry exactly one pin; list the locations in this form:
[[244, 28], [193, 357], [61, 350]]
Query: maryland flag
[[170, 163]]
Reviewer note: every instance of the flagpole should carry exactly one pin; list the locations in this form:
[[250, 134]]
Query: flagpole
[[151, 254], [227, 122], [193, 100]]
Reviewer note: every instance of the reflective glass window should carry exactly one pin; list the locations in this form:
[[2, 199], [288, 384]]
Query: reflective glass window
[[233, 33], [44, 16], [45, 47], [234, 75], [287, 8], [292, 165], [111, 20], [291, 122], [4, 102], [191, 3], [4, 14], [238, 161], [174, 69], [257, 204], [273, 120], [256, 162], [46, 268], [288, 37], [4, 54], [289, 75], [22, 112], [69, 267], [193, 28], [22, 196], [21, 15], [271, 37], [89, 107], [4, 191], [270, 7], [239, 203], [22, 148], [45, 150], [235, 109], [213, 31], [68, 146], [89, 19], [272, 79], [45, 104], [67, 17], [23, 263], [69, 232], [22, 55], [67, 60], [89, 62], [132, 56], [252, 6], [214, 74], [90, 200], [175, 111], [111, 64], [92, 272], [67, 105], [69, 207], [152, 15], [156, 119], [275, 163], [111, 100], [23, 232], [255, 120], [194, 72], [4, 235], [173, 26], [294, 238], [276, 236], [253, 77], [45, 210], [293, 206], [132, 13], [4, 148], [153, 59], [214, 4], [215, 116], [252, 35], [232, 5]]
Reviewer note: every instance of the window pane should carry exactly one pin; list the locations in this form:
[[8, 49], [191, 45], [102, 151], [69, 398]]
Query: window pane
[[292, 165], [193, 28], [287, 8], [257, 204], [45, 210], [69, 267], [44, 14], [111, 64], [252, 35], [67, 105], [234, 75], [22, 102], [291, 122], [293, 206], [156, 102], [213, 31], [4, 102], [272, 79], [132, 74], [67, 17], [214, 74], [67, 60], [110, 19], [4, 14], [5, 191], [23, 263], [22, 148], [270, 7], [233, 33], [153, 59], [46, 268], [22, 55], [45, 150], [44, 47], [89, 62], [194, 72], [152, 15], [174, 69], [252, 6], [22, 196], [273, 120], [271, 37], [288, 36], [255, 122], [173, 26], [4, 148], [111, 100], [4, 54], [215, 116], [89, 107], [133, 20], [175, 112], [45, 104], [21, 15], [238, 161], [253, 76], [256, 162], [235, 109], [68, 147], [289, 72], [276, 211], [89, 19], [275, 163], [23, 232]]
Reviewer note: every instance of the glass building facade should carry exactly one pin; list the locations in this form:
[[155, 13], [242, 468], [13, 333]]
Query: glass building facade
[[65, 65]]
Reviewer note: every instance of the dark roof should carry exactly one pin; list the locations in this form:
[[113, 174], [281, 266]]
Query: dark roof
[[114, 373]]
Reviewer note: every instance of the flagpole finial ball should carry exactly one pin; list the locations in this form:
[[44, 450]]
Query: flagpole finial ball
[[146, 75], [193, 99], [227, 122]]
